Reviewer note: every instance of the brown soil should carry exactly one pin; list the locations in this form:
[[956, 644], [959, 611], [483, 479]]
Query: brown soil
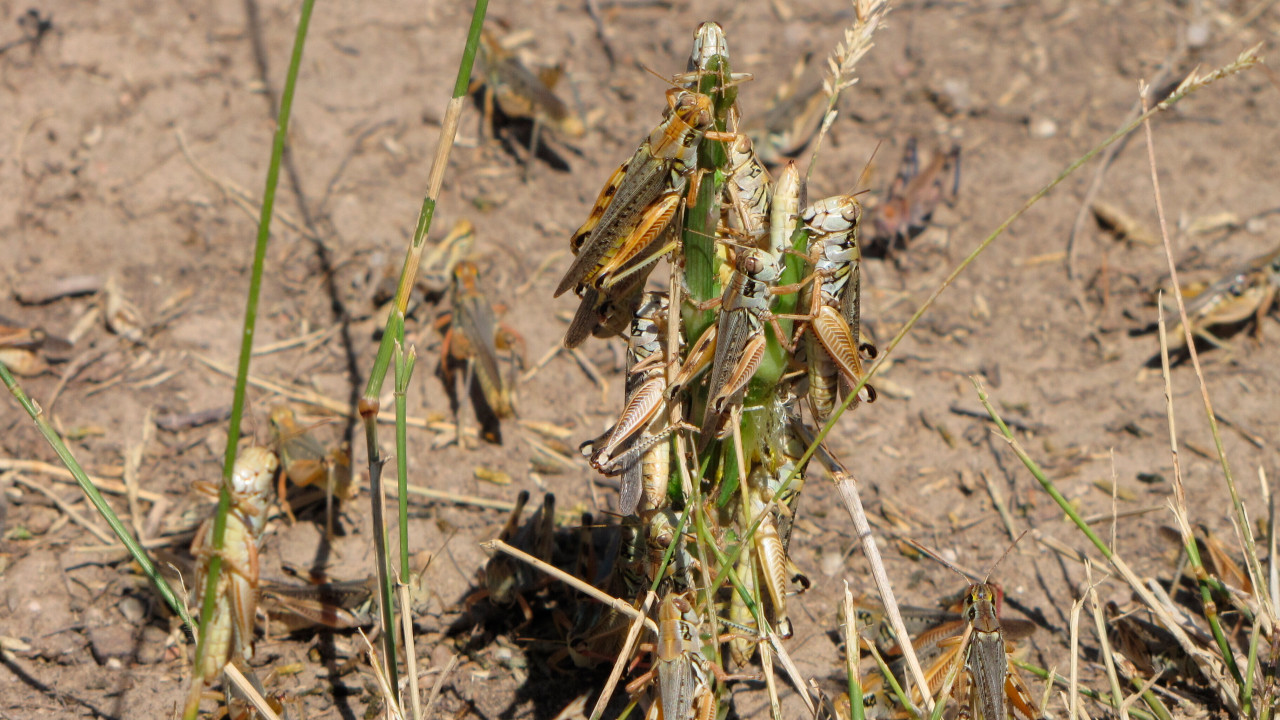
[[94, 181]]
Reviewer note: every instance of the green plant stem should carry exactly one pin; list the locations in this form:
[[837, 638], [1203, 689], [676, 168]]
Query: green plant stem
[[404, 372], [377, 501], [99, 503], [246, 340], [369, 402], [1162, 713]]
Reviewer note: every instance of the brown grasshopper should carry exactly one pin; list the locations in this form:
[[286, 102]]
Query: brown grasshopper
[[230, 629], [636, 446], [306, 463], [1247, 292], [834, 349], [913, 196], [638, 203], [473, 337], [987, 689], [24, 349], [519, 93], [341, 605]]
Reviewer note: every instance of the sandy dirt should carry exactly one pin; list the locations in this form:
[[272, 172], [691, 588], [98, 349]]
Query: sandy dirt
[[130, 131]]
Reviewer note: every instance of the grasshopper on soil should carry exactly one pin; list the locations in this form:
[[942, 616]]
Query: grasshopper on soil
[[1246, 292], [519, 93], [913, 196], [306, 463], [473, 337]]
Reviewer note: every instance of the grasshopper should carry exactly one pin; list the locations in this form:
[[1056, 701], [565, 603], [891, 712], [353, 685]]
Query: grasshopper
[[519, 93], [988, 688], [786, 128], [473, 337], [635, 447], [770, 552], [230, 630], [834, 349], [340, 605], [913, 196], [682, 674], [306, 463], [638, 202], [24, 349], [744, 307], [1248, 291], [505, 579]]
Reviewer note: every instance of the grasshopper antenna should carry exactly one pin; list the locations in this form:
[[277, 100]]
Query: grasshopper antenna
[[968, 576]]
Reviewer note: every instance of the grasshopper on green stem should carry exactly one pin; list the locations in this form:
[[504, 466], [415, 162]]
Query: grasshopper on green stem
[[834, 349], [230, 629], [636, 446]]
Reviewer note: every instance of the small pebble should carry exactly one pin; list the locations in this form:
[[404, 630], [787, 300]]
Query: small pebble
[[1043, 128]]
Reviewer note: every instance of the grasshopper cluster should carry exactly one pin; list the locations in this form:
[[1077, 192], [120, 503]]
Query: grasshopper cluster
[[761, 312]]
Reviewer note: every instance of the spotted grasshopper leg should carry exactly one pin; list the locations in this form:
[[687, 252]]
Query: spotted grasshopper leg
[[230, 629], [833, 347], [636, 446]]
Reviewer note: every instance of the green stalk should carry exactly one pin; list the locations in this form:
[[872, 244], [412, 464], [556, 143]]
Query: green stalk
[[246, 342], [377, 500], [99, 503], [1162, 713], [404, 371], [368, 405]]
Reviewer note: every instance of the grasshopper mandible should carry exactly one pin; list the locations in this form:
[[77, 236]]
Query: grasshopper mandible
[[230, 630]]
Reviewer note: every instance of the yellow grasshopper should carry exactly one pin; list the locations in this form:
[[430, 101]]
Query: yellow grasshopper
[[230, 629], [306, 462]]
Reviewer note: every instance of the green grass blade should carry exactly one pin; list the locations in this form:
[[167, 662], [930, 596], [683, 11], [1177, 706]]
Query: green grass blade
[[95, 497], [246, 343]]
